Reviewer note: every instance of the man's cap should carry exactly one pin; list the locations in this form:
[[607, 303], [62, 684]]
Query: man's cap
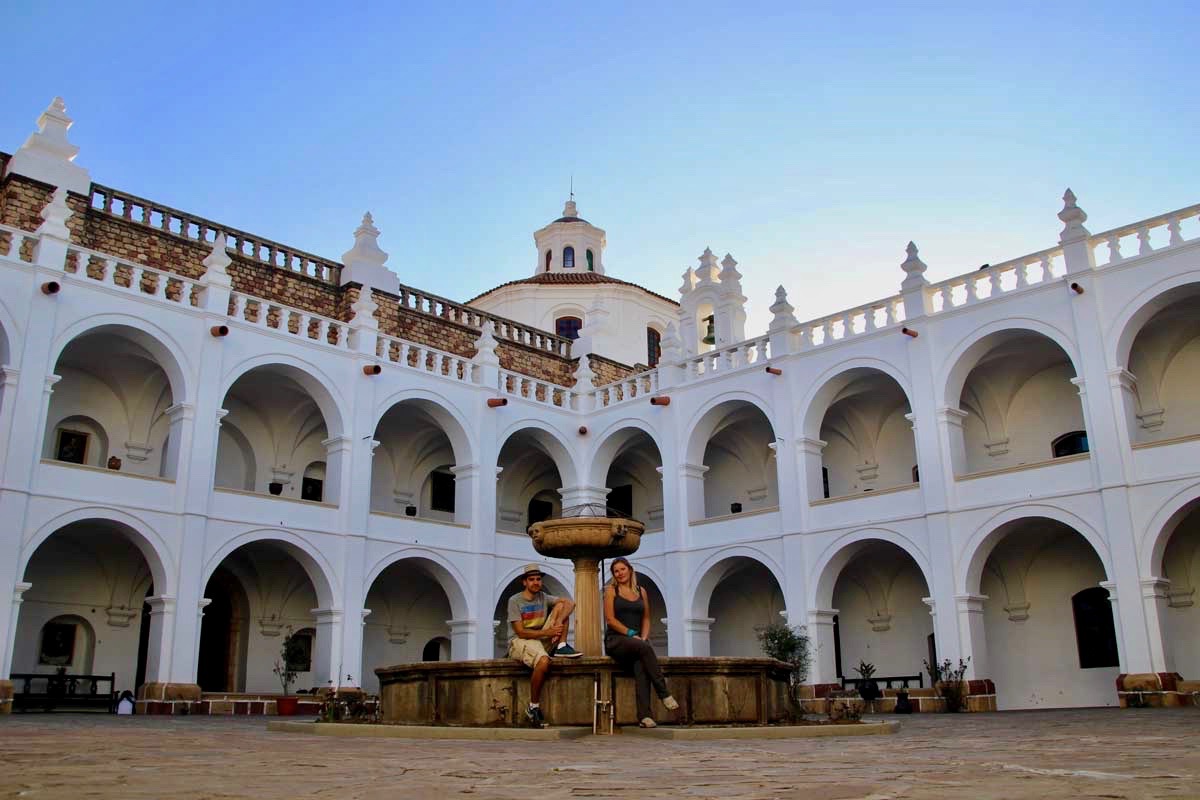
[[531, 570]]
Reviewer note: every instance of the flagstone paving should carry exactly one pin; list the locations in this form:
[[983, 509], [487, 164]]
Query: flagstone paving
[[1096, 753]]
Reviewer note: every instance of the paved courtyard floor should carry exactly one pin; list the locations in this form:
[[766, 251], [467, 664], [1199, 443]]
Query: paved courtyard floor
[[1101, 753]]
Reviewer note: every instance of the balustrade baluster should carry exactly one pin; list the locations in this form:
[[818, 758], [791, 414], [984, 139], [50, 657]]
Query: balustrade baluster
[[972, 290], [1173, 229], [160, 285], [1143, 235], [1022, 270], [1114, 248], [994, 280], [1047, 273]]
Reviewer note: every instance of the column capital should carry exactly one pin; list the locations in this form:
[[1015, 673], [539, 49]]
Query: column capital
[[337, 444], [465, 470], [1156, 588], [811, 446], [467, 626], [326, 616], [969, 603], [20, 589], [50, 381], [698, 624], [951, 416], [181, 412], [929, 601], [9, 375], [692, 470], [222, 413], [912, 420], [161, 604], [1080, 384], [201, 605], [1121, 378], [1111, 586], [821, 616]]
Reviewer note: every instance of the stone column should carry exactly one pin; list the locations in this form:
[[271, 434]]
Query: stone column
[[950, 426], [337, 470], [1155, 599], [465, 478], [8, 403], [327, 663], [583, 495], [160, 694], [463, 638], [698, 630], [810, 466], [588, 615], [972, 634], [179, 441], [820, 643], [691, 483], [7, 642]]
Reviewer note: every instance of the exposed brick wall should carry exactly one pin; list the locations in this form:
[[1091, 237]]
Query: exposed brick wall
[[606, 370]]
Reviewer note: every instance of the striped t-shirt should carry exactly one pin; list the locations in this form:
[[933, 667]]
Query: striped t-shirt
[[530, 613]]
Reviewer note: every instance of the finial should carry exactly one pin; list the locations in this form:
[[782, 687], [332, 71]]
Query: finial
[[708, 266], [59, 105], [55, 216], [48, 154], [218, 261], [689, 281], [782, 311], [367, 227], [914, 269], [1072, 217]]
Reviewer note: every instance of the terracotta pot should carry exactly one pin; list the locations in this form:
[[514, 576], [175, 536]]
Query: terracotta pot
[[286, 706], [275, 488], [114, 462]]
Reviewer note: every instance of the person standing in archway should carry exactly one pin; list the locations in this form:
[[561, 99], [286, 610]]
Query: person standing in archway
[[540, 622]]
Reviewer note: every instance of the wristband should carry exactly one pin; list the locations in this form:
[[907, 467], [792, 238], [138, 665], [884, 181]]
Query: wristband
[[630, 632]]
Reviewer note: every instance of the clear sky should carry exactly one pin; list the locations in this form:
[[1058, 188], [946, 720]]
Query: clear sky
[[811, 141]]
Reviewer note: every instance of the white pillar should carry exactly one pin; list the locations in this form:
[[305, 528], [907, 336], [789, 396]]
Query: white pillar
[[162, 634], [1122, 656], [1155, 599], [463, 638], [972, 635], [10, 619], [584, 495], [810, 466], [327, 658], [698, 630], [179, 441], [465, 478], [691, 485], [337, 470], [821, 645]]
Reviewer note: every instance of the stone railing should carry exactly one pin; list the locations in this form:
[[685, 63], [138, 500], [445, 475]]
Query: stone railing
[[136, 279], [202, 231], [280, 318], [506, 329], [1150, 235], [514, 384], [864, 319], [641, 384], [727, 359], [992, 281], [422, 358], [17, 244]]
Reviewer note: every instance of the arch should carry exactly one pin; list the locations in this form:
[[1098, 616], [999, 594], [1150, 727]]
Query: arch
[[77, 662], [310, 378], [9, 330], [1153, 546], [716, 567], [151, 544], [1134, 315], [704, 422], [827, 385], [842, 550], [448, 576], [974, 555], [568, 257], [444, 412], [609, 443], [167, 352], [551, 442], [314, 563], [966, 356]]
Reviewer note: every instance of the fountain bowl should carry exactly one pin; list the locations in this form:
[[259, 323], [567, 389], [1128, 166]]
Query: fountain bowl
[[586, 537]]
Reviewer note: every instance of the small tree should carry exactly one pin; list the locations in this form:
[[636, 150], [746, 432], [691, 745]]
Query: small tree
[[784, 643], [948, 681], [290, 654]]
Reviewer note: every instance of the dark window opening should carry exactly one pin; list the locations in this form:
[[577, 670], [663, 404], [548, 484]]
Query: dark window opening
[[58, 644], [568, 258], [591, 262], [653, 346], [549, 255], [620, 501], [72, 447], [1070, 444], [825, 481], [1094, 630], [303, 661], [312, 489], [568, 327], [837, 647], [441, 492], [432, 650], [916, 473], [540, 510]]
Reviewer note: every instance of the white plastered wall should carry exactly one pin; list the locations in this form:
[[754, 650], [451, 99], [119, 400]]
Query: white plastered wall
[[1181, 565], [741, 464], [745, 600], [408, 608]]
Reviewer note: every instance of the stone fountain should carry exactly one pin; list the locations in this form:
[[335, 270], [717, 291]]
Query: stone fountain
[[493, 692], [587, 534]]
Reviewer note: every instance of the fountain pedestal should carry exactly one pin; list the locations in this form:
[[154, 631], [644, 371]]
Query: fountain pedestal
[[585, 540]]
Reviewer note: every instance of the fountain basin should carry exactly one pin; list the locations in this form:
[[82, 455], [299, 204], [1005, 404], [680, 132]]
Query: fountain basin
[[495, 692], [586, 537]]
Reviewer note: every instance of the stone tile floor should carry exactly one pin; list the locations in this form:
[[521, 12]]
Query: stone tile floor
[[1095, 753]]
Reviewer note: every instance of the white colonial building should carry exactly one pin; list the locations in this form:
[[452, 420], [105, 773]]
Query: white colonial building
[[208, 440]]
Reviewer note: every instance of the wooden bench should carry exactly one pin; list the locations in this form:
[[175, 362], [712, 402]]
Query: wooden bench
[[60, 690], [904, 682]]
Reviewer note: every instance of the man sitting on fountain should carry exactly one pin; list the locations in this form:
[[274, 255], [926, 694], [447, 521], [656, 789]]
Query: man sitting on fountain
[[539, 622]]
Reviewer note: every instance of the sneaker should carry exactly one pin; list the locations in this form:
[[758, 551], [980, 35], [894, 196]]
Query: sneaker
[[535, 717], [671, 703], [565, 650], [647, 723]]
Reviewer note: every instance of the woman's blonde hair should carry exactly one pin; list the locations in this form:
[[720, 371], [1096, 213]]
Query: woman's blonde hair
[[612, 581]]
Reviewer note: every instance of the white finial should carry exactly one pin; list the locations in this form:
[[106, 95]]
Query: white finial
[[47, 154], [914, 269], [55, 216], [1073, 218], [782, 310], [585, 378], [485, 345], [569, 209], [689, 281], [730, 277], [708, 267], [364, 263], [670, 345], [217, 262]]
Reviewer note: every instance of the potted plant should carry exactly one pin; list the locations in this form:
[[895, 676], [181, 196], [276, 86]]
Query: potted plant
[[868, 689], [789, 645], [290, 654]]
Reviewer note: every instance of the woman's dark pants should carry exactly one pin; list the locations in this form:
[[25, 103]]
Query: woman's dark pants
[[627, 650]]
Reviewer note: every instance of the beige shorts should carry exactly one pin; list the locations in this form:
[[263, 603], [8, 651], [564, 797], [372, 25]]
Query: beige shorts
[[527, 651]]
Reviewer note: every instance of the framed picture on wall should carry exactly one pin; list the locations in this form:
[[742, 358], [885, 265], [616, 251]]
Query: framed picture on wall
[[58, 644], [72, 447]]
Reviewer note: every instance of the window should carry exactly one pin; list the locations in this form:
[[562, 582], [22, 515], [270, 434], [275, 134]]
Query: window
[[591, 262], [825, 481], [433, 649], [441, 494], [312, 489], [568, 258], [653, 346], [72, 446], [1094, 630], [568, 327], [916, 473], [1070, 444], [549, 255], [540, 510], [620, 501], [304, 639]]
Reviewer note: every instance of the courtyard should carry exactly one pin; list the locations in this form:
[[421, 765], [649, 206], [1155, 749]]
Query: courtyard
[[1078, 754]]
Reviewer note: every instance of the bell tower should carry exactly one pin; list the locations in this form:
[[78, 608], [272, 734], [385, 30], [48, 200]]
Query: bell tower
[[570, 245]]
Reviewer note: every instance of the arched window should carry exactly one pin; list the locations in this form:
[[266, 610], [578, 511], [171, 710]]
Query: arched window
[[1070, 444], [568, 327], [1094, 630], [540, 510], [591, 262], [434, 649], [825, 481], [568, 258], [653, 346], [312, 485], [549, 256], [441, 493]]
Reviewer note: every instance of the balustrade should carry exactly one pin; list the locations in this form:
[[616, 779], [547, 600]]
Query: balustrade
[[1167, 229]]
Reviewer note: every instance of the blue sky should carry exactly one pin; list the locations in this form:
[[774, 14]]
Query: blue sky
[[811, 141]]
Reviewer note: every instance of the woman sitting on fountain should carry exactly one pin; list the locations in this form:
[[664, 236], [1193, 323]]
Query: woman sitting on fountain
[[626, 640]]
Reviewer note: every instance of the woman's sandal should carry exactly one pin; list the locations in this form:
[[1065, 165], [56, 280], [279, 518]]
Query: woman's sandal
[[647, 723]]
